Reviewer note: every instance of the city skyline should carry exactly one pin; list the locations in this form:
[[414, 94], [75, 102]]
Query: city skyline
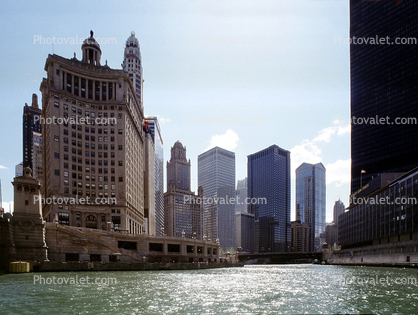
[[196, 79]]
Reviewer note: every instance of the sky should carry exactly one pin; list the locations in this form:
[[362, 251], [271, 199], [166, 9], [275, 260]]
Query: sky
[[238, 74]]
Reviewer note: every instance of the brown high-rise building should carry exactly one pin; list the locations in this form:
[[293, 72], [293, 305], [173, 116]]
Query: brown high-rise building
[[301, 236], [183, 210], [93, 144]]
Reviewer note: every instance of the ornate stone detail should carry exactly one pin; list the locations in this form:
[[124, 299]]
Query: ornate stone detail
[[26, 225]]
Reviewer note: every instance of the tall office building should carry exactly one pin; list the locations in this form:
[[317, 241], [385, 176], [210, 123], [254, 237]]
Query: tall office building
[[241, 195], [339, 208], [332, 233], [99, 151], [216, 175], [154, 128], [132, 63], [269, 182], [183, 210], [383, 84], [178, 168], [37, 169], [245, 231], [149, 180], [301, 237], [311, 200], [31, 124], [19, 169]]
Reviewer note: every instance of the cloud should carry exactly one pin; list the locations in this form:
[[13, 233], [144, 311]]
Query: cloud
[[325, 134], [309, 151], [3, 167], [163, 120], [339, 172], [227, 141]]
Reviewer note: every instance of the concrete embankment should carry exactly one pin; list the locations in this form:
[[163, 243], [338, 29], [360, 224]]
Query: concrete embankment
[[117, 266]]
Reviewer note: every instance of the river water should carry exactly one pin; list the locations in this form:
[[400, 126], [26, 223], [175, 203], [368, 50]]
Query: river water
[[253, 289]]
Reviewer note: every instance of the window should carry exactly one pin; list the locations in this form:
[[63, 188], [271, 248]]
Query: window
[[120, 131], [120, 163], [63, 218], [56, 155], [57, 172], [78, 216], [120, 179], [120, 147]]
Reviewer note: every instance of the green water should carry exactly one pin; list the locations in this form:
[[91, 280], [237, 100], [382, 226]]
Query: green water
[[261, 289]]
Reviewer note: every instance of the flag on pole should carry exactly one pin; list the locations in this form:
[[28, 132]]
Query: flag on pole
[[363, 171]]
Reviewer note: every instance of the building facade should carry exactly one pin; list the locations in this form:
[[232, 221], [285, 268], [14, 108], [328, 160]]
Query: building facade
[[31, 124], [241, 195], [245, 231], [383, 85], [93, 144], [311, 200], [19, 169], [301, 237], [37, 157], [183, 210], [269, 183], [338, 209], [154, 128], [149, 181], [389, 216], [216, 175]]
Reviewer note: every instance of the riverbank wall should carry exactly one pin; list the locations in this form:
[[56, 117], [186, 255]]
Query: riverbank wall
[[402, 254]]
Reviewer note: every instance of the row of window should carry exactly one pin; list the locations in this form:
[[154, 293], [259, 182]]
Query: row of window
[[91, 194], [87, 169], [87, 138], [86, 88], [93, 130]]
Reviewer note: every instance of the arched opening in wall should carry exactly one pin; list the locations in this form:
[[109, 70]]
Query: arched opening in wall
[[91, 222]]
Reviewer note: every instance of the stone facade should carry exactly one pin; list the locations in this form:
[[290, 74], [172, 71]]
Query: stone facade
[[98, 153], [28, 224]]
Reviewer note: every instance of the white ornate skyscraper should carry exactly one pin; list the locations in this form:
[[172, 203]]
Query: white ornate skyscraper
[[132, 63]]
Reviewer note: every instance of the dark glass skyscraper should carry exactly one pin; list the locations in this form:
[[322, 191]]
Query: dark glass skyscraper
[[30, 125], [269, 179], [383, 84]]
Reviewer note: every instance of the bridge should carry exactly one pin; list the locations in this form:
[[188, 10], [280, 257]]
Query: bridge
[[281, 258]]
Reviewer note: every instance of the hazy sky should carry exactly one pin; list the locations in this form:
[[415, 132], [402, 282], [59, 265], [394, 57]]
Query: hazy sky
[[242, 75]]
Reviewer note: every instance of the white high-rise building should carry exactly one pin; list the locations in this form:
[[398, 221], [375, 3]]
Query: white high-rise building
[[216, 175], [132, 63]]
